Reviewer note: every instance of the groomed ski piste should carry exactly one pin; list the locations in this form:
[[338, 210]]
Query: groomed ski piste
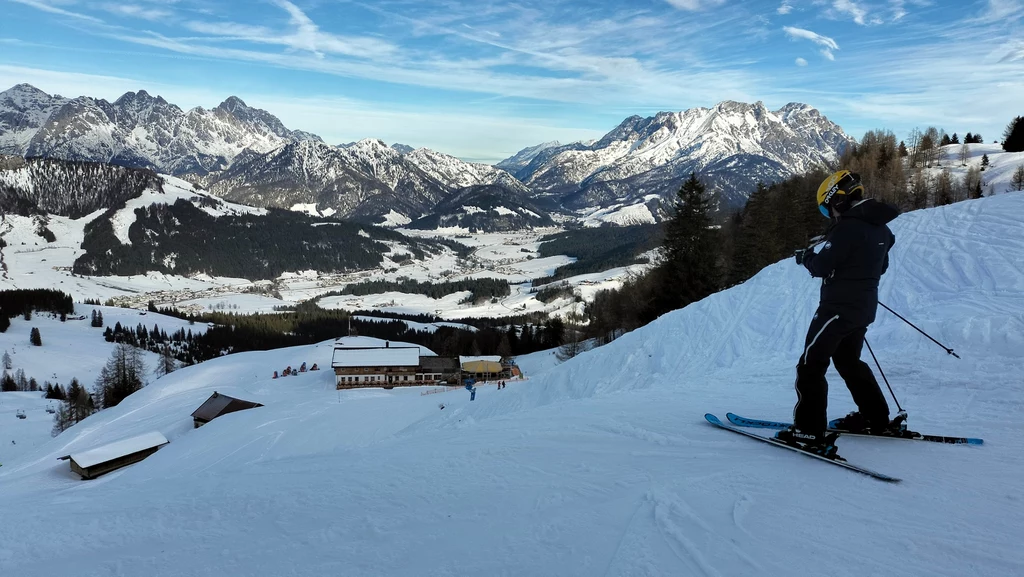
[[603, 465]]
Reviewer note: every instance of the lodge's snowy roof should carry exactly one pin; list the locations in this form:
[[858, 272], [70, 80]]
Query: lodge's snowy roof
[[376, 357], [112, 451]]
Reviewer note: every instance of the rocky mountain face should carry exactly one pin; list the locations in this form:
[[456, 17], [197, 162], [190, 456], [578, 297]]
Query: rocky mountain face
[[366, 180], [521, 159], [732, 146], [137, 130]]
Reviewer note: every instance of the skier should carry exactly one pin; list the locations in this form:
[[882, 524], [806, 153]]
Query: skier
[[852, 259]]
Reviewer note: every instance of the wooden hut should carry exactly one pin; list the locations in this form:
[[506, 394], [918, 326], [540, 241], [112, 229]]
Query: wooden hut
[[436, 370], [95, 462], [218, 405], [386, 366]]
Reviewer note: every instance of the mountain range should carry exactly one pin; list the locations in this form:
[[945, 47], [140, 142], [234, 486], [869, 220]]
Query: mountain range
[[732, 146], [247, 155]]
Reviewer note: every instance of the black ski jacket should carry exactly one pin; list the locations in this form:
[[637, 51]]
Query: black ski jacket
[[853, 259]]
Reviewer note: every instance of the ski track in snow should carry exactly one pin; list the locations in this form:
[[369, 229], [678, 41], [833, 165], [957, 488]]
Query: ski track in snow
[[602, 465]]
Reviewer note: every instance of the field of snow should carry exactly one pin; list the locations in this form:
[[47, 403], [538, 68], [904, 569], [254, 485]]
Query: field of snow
[[995, 178], [74, 349], [602, 465]]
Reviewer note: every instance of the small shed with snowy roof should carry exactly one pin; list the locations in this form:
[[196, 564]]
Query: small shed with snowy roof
[[385, 366], [218, 405], [110, 457]]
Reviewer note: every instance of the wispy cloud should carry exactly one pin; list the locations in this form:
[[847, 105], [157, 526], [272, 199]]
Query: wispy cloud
[[785, 8], [694, 5], [827, 44], [52, 9], [801, 62], [136, 11], [229, 29], [851, 8], [1004, 9]]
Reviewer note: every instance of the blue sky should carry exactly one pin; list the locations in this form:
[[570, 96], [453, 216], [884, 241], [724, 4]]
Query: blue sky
[[481, 79]]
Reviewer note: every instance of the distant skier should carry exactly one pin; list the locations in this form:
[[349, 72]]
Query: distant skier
[[851, 262]]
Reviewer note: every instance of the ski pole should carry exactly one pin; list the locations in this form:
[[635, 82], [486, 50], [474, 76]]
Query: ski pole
[[947, 349], [902, 413]]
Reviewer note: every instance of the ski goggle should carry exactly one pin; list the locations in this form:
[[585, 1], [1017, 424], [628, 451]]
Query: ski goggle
[[824, 210]]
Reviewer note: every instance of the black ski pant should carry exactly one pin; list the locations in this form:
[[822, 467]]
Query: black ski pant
[[832, 337]]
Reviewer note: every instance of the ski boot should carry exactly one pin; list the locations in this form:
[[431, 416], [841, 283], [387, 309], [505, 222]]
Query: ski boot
[[823, 445], [855, 422]]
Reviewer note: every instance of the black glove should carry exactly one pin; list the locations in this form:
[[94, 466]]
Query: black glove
[[803, 255]]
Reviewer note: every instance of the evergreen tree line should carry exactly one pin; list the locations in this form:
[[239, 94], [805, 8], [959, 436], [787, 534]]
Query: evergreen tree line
[[24, 301], [1013, 136], [232, 333], [74, 188], [18, 381], [598, 249], [479, 288], [554, 291], [182, 239], [176, 345]]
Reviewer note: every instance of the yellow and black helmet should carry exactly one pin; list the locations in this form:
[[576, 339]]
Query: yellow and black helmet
[[838, 188]]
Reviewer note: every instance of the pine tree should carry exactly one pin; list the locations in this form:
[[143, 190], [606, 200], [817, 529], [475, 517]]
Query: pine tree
[[984, 161], [62, 419], [121, 376], [945, 140], [7, 383], [1017, 182], [1013, 136], [690, 269], [7, 361], [166, 365], [969, 139], [19, 378], [33, 385], [903, 150], [35, 338], [954, 139]]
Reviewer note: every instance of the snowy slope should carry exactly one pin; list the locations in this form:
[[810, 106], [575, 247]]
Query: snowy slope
[[600, 466], [995, 178]]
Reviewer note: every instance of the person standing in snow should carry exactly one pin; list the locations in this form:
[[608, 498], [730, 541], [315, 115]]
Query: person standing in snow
[[851, 262]]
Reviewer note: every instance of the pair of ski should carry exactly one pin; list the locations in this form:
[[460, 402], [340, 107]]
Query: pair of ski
[[738, 424]]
